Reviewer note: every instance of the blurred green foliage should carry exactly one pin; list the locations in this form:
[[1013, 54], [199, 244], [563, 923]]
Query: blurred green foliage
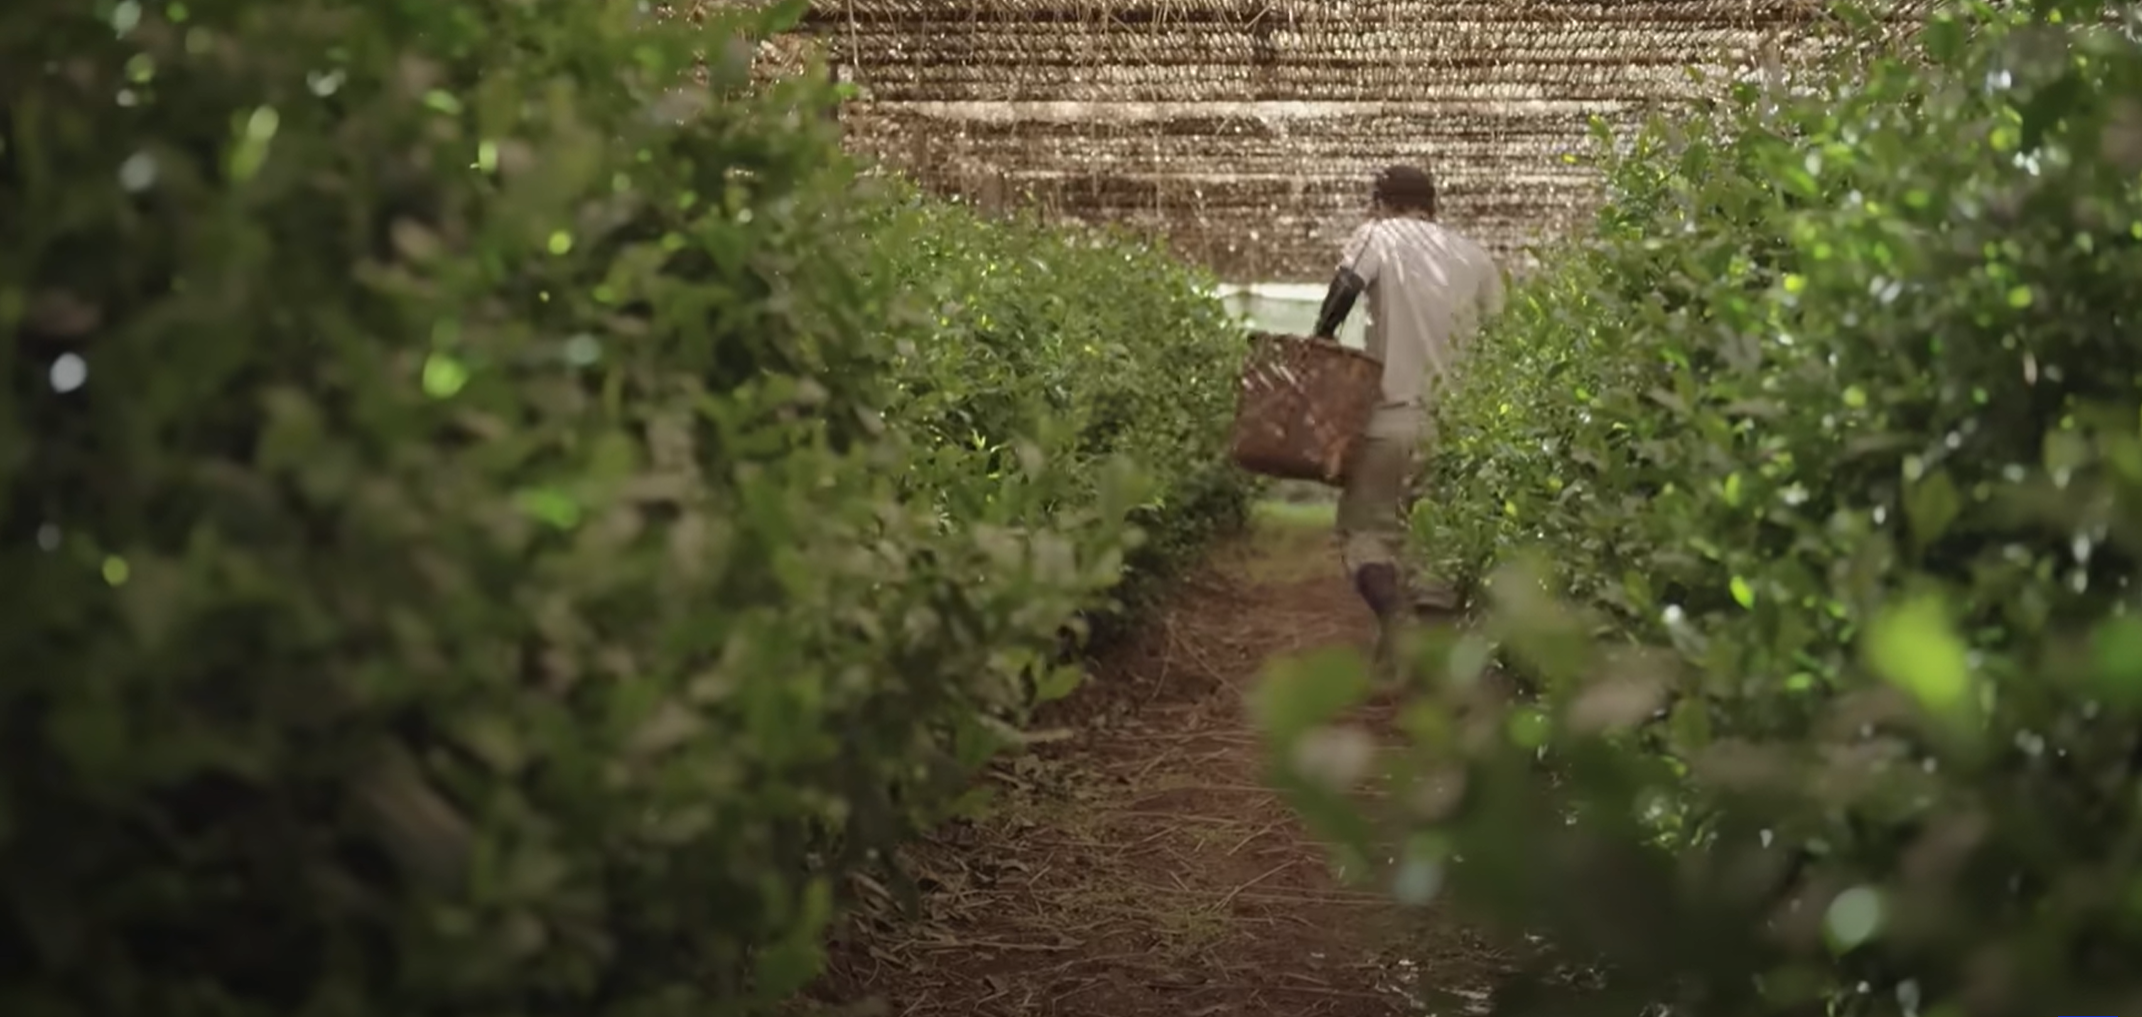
[[490, 527], [1806, 494]]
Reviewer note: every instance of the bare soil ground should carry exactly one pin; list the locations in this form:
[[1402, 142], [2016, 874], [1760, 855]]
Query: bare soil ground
[[1139, 867]]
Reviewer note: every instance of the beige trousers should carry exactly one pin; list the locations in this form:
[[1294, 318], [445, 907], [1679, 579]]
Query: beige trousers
[[1376, 500]]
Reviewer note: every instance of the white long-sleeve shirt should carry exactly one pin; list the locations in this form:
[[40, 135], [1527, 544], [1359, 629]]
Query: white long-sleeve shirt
[[1429, 289]]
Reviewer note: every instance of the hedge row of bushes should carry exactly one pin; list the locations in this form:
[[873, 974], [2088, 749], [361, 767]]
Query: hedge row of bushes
[[490, 531], [1807, 489], [1101, 343]]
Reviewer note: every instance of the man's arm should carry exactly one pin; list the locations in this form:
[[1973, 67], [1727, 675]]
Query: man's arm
[[1491, 293], [1357, 270], [1346, 287]]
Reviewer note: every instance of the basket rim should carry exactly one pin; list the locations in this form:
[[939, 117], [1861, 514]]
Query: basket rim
[[1277, 337]]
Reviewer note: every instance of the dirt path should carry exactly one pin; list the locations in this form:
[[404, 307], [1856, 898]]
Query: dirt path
[[1139, 867]]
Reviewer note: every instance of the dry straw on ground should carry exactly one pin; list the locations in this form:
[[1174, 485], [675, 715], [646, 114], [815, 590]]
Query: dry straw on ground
[[1138, 865]]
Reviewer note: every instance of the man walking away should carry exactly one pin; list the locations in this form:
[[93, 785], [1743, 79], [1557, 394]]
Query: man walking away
[[1429, 289]]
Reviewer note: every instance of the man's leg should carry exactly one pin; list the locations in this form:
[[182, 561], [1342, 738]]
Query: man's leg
[[1371, 530]]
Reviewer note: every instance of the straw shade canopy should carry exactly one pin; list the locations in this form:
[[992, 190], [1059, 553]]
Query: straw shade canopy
[[1245, 132]]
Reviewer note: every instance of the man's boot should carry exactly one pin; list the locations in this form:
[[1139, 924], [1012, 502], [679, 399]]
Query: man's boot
[[1433, 598], [1379, 586]]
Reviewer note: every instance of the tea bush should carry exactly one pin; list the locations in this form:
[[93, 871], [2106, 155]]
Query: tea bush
[[479, 536], [1096, 337], [1809, 486]]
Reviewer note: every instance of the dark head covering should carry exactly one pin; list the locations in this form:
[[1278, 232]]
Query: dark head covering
[[1405, 189]]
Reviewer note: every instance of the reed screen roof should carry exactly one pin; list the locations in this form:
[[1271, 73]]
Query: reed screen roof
[[1245, 131]]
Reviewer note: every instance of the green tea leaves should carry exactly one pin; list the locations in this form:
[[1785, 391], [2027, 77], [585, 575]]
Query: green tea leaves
[[1913, 646]]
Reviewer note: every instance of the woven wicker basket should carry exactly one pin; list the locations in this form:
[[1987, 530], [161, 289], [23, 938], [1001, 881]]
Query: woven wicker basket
[[1304, 404]]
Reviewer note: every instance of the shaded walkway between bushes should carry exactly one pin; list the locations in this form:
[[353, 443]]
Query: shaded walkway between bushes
[[1138, 867]]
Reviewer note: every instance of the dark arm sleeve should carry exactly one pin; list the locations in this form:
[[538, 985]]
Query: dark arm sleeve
[[1339, 301]]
